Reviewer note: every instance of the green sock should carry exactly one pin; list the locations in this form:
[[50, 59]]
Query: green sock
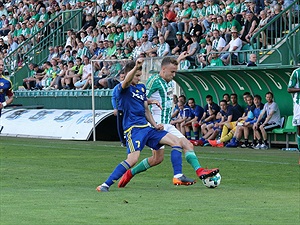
[[298, 141], [141, 167], [192, 159]]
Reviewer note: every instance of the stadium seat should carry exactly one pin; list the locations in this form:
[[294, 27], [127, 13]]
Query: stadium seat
[[286, 128]]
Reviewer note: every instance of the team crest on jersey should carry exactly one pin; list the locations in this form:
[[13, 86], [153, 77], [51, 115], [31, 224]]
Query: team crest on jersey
[[1, 84]]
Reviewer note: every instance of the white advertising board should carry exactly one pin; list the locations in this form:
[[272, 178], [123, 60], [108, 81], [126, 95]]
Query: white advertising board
[[51, 123]]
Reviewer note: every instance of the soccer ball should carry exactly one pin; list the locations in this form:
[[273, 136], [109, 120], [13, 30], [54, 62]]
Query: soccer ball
[[212, 182]]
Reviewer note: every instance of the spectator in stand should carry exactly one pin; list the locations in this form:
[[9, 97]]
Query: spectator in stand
[[3, 46], [222, 25], [146, 45], [214, 60], [12, 44], [86, 73], [195, 28], [168, 14], [4, 30], [212, 8], [252, 60], [168, 32], [157, 16], [82, 50], [163, 47], [137, 50], [179, 43], [233, 47], [149, 30], [218, 41], [263, 21], [73, 74], [124, 18], [89, 22], [193, 50], [231, 23], [132, 20], [249, 27]]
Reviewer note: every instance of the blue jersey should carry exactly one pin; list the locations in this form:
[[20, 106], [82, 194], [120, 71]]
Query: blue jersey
[[132, 102], [197, 111], [237, 112], [254, 113], [226, 114], [5, 89], [214, 106], [115, 101]]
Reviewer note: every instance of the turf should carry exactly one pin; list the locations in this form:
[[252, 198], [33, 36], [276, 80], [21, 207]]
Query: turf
[[53, 182]]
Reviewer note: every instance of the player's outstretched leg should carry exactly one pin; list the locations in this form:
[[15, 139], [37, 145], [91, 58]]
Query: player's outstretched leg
[[176, 159], [125, 179], [115, 175]]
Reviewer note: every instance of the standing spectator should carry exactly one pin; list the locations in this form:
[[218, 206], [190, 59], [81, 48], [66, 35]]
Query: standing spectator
[[294, 88], [195, 28]]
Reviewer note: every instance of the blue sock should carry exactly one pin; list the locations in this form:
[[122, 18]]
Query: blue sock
[[117, 173], [176, 159], [202, 139], [196, 135], [233, 140], [188, 135]]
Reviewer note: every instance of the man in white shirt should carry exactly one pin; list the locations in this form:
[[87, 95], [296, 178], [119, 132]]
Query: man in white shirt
[[233, 47]]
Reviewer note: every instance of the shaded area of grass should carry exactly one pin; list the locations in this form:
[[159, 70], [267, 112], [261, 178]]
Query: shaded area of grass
[[53, 182]]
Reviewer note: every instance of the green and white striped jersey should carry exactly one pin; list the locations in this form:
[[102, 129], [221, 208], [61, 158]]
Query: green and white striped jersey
[[160, 90], [295, 83]]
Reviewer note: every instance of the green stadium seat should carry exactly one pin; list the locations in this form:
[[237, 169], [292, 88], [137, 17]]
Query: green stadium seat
[[286, 128]]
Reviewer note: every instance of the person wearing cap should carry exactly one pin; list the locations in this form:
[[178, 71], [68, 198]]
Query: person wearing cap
[[233, 47], [179, 43], [149, 30]]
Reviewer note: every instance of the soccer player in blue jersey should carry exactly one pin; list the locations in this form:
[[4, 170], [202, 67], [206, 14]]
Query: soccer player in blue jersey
[[132, 96], [294, 88], [160, 88], [6, 93]]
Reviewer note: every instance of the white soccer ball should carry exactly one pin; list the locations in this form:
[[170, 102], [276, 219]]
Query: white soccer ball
[[212, 182]]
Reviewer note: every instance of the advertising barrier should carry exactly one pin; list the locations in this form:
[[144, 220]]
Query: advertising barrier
[[51, 123]]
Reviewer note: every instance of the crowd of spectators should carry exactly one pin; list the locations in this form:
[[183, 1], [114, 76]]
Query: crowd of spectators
[[197, 31]]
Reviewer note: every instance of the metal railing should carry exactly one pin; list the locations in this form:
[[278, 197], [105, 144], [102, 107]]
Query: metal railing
[[55, 31], [277, 29]]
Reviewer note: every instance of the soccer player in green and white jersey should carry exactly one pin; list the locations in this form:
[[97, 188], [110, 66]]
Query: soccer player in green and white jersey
[[294, 87], [160, 89]]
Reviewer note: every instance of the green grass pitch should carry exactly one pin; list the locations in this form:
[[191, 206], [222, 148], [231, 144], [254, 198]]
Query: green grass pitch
[[54, 181]]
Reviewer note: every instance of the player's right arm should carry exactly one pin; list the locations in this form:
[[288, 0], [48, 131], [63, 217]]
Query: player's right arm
[[129, 77]]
